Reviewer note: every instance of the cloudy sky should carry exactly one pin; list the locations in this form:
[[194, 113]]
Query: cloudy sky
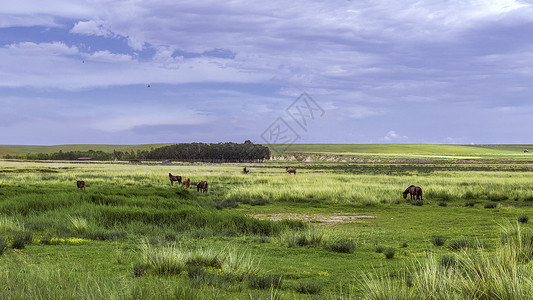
[[352, 71]]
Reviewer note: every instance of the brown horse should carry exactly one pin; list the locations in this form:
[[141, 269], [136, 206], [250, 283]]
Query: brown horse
[[202, 186], [186, 182], [290, 170], [414, 191], [81, 184], [174, 178]]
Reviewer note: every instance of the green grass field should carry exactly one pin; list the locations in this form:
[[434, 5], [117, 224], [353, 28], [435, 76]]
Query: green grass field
[[324, 233]]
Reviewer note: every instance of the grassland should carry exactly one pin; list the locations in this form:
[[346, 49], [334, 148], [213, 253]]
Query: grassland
[[328, 149], [322, 233]]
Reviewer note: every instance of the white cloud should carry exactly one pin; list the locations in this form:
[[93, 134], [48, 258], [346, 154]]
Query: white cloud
[[43, 49], [106, 56], [393, 136], [92, 27]]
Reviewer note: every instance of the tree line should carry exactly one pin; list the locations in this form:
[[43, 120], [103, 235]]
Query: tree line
[[203, 152]]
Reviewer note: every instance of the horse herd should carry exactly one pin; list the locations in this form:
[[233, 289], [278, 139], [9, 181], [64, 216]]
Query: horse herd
[[186, 182], [414, 191]]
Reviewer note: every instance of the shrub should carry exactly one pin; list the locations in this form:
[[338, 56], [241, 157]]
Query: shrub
[[442, 203], [265, 282], [341, 246], [491, 205], [3, 245], [523, 219], [389, 253], [310, 288], [404, 245], [379, 249], [438, 240], [470, 204], [20, 239], [469, 195]]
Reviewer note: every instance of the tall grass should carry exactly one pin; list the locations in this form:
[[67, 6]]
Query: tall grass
[[477, 274], [28, 281], [9, 224], [174, 259], [80, 225], [310, 236]]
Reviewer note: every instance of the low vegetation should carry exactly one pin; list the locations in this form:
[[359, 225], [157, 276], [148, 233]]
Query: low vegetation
[[335, 230]]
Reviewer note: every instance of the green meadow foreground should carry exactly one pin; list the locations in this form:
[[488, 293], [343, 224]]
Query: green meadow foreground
[[335, 230]]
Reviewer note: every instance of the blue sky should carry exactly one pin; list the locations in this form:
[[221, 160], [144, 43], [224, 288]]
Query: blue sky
[[379, 71]]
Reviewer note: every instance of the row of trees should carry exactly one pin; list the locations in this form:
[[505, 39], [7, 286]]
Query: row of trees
[[221, 152]]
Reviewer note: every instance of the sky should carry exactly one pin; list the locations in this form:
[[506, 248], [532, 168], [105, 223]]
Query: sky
[[273, 72]]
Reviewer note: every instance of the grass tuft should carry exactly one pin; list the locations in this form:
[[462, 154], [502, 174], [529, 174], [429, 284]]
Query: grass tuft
[[310, 288], [80, 225], [491, 205], [340, 246], [265, 281], [523, 219], [21, 239], [438, 240], [389, 253]]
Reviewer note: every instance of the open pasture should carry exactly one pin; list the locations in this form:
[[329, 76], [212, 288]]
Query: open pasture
[[267, 234]]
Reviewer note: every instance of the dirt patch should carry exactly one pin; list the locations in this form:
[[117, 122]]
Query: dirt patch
[[319, 219]]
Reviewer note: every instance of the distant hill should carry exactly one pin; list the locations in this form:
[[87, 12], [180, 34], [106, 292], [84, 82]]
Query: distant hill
[[404, 149]]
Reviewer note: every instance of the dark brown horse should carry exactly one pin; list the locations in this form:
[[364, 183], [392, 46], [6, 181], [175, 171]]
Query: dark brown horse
[[186, 182], [202, 186], [81, 184], [414, 191], [174, 178], [290, 170]]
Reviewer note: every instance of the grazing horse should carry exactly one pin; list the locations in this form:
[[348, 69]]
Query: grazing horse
[[174, 178], [414, 191], [202, 186], [81, 184], [244, 171], [186, 182], [290, 170]]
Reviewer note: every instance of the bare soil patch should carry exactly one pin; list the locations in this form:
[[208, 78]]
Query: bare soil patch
[[319, 219]]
